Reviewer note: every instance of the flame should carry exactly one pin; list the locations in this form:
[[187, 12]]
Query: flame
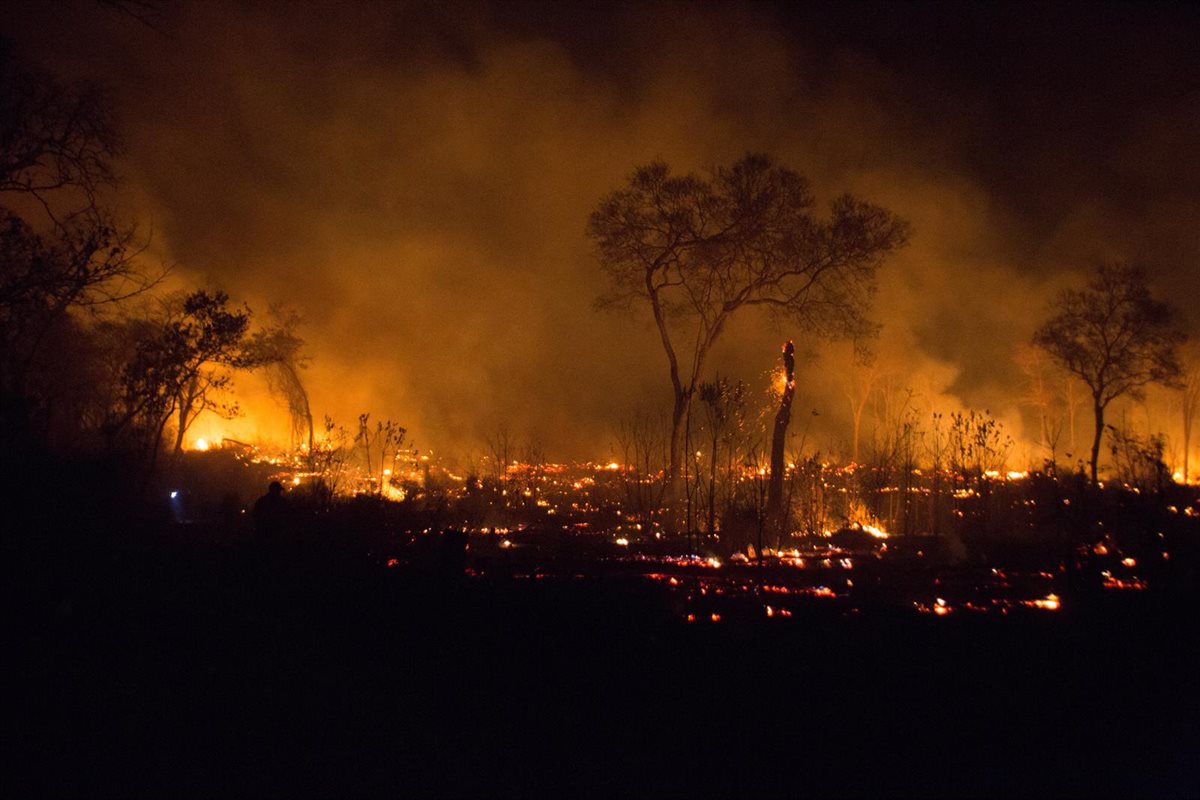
[[779, 382], [877, 532], [1050, 603]]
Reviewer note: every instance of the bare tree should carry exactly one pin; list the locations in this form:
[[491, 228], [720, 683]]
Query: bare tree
[[1040, 395], [1114, 337], [641, 438], [328, 461], [501, 446], [859, 385], [385, 441], [699, 250], [57, 141], [724, 405], [60, 249]]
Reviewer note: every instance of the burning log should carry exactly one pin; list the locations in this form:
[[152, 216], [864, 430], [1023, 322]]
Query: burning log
[[783, 418]]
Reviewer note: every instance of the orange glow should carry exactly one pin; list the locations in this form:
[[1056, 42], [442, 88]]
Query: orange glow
[[1050, 603]]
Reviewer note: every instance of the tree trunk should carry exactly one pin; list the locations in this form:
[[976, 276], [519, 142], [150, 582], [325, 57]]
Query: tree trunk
[[712, 485], [675, 454], [185, 409], [1099, 411], [783, 418]]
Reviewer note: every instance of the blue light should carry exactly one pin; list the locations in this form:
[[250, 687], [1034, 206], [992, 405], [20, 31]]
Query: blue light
[[174, 494]]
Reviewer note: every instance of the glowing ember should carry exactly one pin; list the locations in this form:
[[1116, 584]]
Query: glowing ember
[[1050, 603], [1111, 582], [877, 532]]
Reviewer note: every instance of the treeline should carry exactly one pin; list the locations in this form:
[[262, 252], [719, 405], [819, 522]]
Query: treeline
[[96, 359]]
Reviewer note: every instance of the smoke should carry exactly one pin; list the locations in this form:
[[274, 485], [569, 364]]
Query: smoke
[[415, 180]]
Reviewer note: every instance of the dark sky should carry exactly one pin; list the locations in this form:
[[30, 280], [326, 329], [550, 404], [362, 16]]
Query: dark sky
[[415, 178]]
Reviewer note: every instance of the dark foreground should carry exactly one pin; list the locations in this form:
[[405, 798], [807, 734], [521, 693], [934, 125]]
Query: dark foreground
[[199, 671]]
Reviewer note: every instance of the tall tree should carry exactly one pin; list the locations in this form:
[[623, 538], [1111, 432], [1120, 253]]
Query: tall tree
[[180, 367], [783, 418], [699, 249], [1115, 337], [859, 386], [60, 249], [724, 405], [279, 351]]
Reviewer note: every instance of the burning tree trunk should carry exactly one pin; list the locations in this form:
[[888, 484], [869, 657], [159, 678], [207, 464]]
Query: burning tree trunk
[[783, 418], [1098, 411]]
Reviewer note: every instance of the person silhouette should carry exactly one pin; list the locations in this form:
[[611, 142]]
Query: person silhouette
[[270, 512]]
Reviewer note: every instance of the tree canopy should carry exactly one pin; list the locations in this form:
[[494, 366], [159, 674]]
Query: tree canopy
[[1115, 337], [699, 249]]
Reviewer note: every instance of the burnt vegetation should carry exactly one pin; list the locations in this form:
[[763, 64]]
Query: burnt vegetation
[[724, 598]]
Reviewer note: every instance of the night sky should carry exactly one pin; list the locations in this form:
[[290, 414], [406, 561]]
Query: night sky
[[415, 179]]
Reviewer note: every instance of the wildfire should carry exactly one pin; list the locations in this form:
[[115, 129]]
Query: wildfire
[[877, 532], [1050, 603]]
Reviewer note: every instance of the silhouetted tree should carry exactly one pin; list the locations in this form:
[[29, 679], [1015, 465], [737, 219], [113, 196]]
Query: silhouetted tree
[[60, 250], [179, 367], [278, 350], [502, 447], [783, 418], [697, 250], [387, 438], [724, 404], [641, 437], [1114, 337], [57, 141], [859, 386]]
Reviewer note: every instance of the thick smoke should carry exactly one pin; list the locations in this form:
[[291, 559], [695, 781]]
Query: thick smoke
[[415, 181]]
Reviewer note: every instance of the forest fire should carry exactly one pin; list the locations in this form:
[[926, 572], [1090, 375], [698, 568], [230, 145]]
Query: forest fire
[[508, 399]]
